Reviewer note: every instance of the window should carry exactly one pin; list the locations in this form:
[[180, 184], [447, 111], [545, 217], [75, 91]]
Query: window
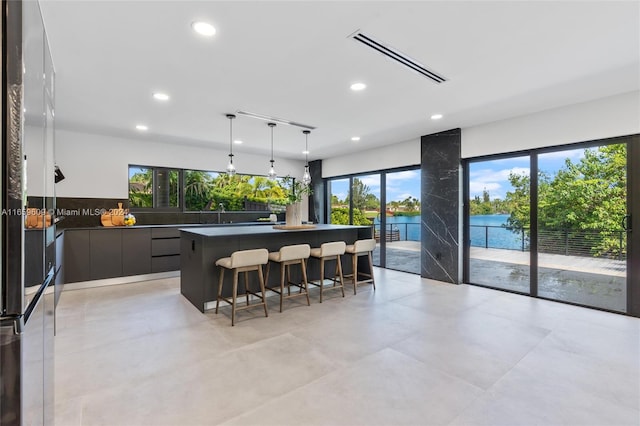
[[154, 187], [359, 200], [201, 190], [552, 224]]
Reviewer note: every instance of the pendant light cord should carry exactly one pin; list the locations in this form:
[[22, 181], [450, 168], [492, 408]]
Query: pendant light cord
[[231, 117], [272, 126]]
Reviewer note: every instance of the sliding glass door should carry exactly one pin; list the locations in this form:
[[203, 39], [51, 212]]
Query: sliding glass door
[[402, 228], [556, 224], [389, 202], [499, 199], [582, 245]]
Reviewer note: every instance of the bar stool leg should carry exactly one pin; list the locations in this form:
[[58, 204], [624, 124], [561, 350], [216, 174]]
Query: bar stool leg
[[373, 280], [321, 277], [340, 273], [246, 286], [262, 289], [354, 268], [282, 273], [266, 278], [304, 280], [234, 297], [220, 288]]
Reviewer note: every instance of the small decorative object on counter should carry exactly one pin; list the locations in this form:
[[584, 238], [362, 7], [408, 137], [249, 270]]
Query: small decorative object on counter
[[114, 217], [129, 219]]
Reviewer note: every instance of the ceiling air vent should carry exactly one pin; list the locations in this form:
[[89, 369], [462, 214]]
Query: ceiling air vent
[[392, 53]]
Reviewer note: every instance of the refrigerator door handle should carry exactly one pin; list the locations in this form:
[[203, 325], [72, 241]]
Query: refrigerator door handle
[[16, 322], [38, 297]]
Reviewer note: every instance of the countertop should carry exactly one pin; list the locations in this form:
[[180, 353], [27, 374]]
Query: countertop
[[179, 225], [251, 230]]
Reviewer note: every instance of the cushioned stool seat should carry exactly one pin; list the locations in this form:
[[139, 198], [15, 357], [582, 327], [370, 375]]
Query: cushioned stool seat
[[287, 256], [361, 248], [329, 251], [243, 261]]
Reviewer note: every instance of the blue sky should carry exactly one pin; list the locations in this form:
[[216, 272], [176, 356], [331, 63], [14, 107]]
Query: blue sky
[[400, 185], [490, 175], [494, 175]]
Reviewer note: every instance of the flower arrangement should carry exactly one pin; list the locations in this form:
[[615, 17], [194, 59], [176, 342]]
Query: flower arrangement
[[129, 219], [295, 189]]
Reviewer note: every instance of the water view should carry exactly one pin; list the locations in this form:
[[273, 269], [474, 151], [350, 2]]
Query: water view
[[487, 231]]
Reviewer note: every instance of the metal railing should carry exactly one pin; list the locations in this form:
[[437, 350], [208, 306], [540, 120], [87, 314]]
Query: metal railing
[[602, 243], [399, 231], [496, 236], [585, 243]]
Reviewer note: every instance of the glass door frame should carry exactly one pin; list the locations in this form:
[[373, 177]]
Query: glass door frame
[[633, 210], [633, 239], [383, 201]]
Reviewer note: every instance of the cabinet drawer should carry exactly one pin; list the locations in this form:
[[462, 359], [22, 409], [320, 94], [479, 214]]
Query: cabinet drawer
[[165, 232], [165, 263], [165, 246]]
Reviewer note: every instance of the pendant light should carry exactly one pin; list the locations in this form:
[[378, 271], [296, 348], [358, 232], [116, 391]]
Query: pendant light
[[272, 171], [231, 170], [306, 177]]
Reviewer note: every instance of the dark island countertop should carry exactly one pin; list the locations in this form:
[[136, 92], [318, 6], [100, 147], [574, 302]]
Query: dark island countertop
[[201, 247], [220, 231]]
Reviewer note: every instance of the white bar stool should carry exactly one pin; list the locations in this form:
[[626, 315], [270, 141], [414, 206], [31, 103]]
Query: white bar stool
[[287, 256], [361, 248], [243, 261], [330, 251]]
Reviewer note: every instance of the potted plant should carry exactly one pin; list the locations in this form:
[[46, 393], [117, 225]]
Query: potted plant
[[294, 191]]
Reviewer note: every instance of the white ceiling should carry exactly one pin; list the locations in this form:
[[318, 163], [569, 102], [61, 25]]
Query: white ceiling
[[294, 60]]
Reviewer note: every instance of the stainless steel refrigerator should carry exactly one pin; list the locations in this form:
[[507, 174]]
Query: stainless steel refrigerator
[[28, 295]]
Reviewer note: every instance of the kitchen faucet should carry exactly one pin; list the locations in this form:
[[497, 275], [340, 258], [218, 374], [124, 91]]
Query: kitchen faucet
[[220, 210]]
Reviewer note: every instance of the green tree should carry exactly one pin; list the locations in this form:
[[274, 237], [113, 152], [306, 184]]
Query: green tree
[[484, 205], [197, 189], [589, 195], [359, 193], [340, 216]]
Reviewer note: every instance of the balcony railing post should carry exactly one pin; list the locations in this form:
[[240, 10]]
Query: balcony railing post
[[486, 237], [620, 250], [566, 242]]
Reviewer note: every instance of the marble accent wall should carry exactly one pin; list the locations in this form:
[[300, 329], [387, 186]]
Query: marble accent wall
[[440, 200], [317, 203]]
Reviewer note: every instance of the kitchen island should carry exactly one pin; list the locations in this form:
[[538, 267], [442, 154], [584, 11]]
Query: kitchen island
[[201, 247]]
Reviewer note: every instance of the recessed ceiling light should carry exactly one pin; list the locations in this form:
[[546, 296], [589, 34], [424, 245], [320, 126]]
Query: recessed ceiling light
[[158, 96], [436, 116], [237, 142], [142, 127], [305, 152], [358, 86], [355, 138], [203, 28]]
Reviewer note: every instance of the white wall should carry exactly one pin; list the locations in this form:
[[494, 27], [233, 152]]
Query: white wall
[[97, 166], [603, 118], [617, 115], [396, 155]]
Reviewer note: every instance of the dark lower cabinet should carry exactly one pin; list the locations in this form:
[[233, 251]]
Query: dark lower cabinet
[[105, 253], [77, 249], [94, 254], [136, 251], [165, 263]]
